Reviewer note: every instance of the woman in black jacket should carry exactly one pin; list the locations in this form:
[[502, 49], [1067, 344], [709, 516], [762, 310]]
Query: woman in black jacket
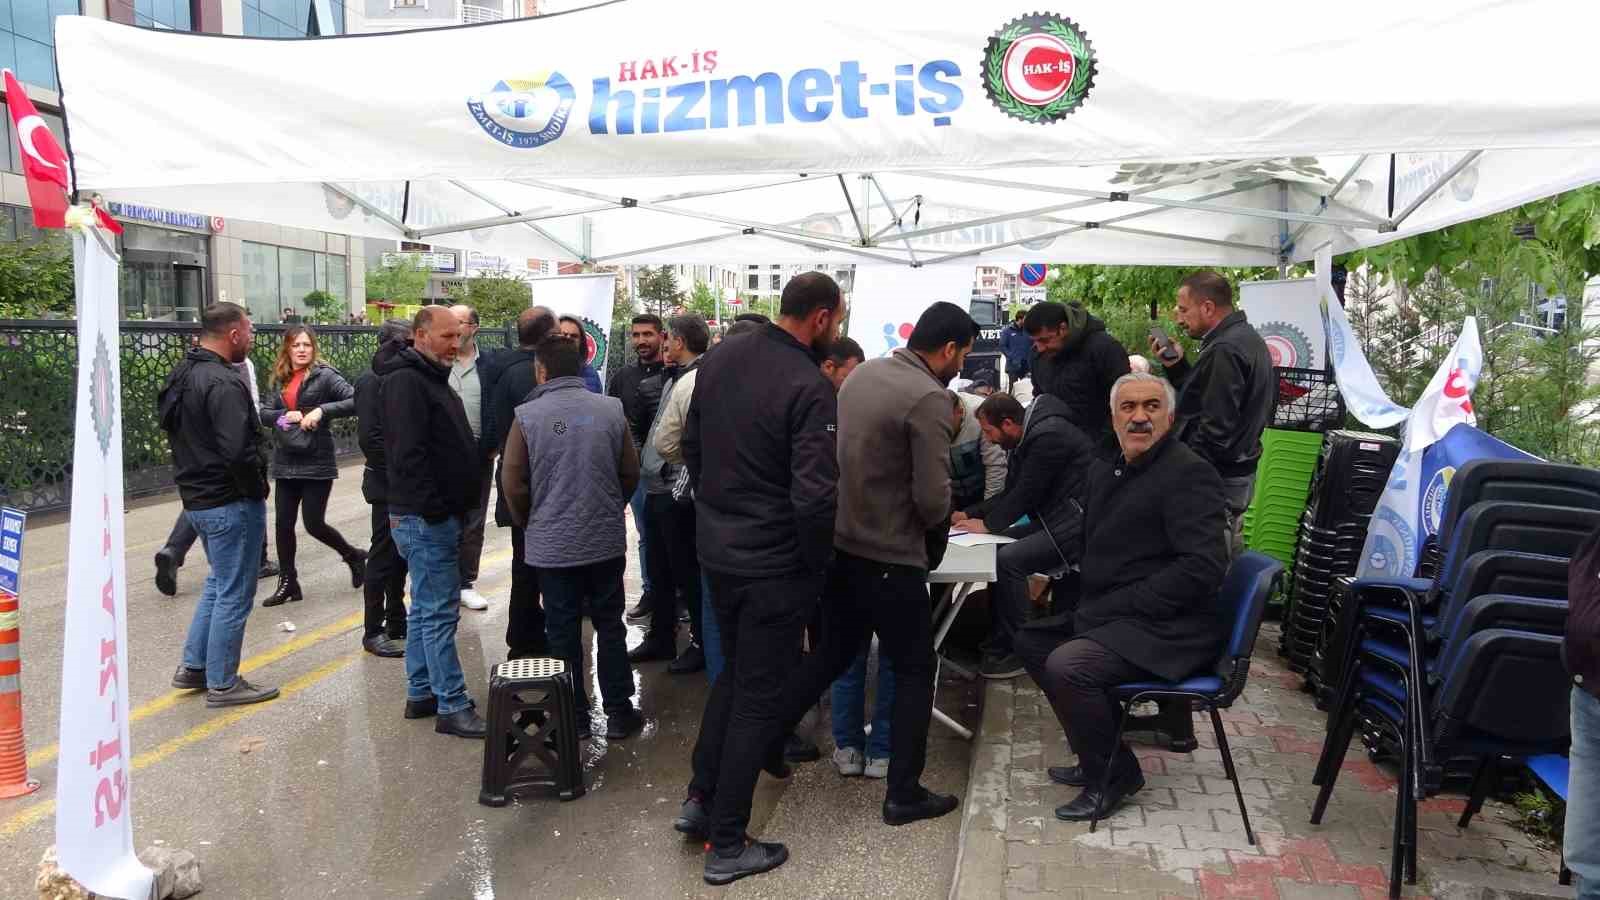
[[309, 393]]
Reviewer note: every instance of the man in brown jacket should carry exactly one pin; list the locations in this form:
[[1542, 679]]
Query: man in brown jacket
[[894, 489]]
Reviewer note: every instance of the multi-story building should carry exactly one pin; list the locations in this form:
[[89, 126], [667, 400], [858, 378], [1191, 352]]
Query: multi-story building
[[177, 261], [995, 281], [404, 15]]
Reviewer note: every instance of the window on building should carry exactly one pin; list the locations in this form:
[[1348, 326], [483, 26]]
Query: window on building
[[290, 18], [27, 41], [174, 15], [776, 281], [753, 283], [278, 277]]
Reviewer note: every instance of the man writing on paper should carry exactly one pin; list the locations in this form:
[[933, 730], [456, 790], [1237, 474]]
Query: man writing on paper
[[1153, 556], [1044, 483]]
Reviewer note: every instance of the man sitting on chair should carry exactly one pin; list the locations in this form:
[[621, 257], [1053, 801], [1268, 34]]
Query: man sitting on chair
[[1044, 482], [1152, 559]]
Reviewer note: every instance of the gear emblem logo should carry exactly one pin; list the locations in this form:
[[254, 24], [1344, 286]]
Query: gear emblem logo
[[102, 396], [1286, 344], [1038, 68]]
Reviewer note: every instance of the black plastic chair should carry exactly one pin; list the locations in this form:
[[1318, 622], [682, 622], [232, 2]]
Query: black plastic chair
[[1241, 603], [1521, 481], [1504, 694]]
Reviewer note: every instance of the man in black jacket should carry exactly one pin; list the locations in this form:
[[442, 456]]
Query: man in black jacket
[[525, 636], [1226, 398], [639, 386], [761, 429], [1078, 361], [1044, 483], [1581, 652], [1152, 556], [428, 446], [221, 469], [384, 630]]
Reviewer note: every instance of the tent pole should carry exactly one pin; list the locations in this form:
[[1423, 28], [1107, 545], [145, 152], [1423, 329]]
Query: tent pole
[[381, 214], [512, 219], [850, 201], [1432, 189], [896, 223], [672, 246], [1283, 230], [581, 257], [1118, 196]]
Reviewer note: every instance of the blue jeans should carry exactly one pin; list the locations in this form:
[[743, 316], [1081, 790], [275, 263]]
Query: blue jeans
[[432, 554], [597, 586], [636, 503], [1582, 841], [710, 632], [849, 700], [231, 535]]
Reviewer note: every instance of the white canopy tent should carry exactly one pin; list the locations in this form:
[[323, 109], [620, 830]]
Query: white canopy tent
[[644, 132]]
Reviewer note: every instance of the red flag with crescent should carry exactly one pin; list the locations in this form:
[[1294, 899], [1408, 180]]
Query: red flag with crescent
[[44, 165]]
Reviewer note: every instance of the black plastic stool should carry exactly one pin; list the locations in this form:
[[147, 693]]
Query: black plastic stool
[[531, 694]]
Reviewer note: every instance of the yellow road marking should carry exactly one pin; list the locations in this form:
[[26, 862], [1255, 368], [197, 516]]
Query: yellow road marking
[[148, 758], [265, 658]]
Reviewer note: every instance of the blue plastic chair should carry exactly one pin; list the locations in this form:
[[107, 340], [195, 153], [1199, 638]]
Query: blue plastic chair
[[1241, 603]]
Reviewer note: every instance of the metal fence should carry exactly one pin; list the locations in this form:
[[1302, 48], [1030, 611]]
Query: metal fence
[[38, 368]]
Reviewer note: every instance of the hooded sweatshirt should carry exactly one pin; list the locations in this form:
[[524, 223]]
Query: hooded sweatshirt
[[1081, 373]]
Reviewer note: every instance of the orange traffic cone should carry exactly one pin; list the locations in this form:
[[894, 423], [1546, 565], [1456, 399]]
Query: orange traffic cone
[[14, 780]]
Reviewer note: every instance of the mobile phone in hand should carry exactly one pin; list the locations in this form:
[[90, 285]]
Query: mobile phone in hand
[[1167, 350]]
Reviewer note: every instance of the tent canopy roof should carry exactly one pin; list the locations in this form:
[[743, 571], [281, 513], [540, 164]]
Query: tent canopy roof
[[834, 131]]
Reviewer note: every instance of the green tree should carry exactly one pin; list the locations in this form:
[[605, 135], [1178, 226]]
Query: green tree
[[36, 278], [499, 297], [1124, 296], [657, 289], [702, 301], [324, 308], [403, 281]]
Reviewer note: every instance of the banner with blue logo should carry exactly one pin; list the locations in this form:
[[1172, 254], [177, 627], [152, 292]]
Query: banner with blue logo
[[1460, 445], [11, 525]]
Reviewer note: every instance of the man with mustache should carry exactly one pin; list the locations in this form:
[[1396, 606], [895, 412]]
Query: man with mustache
[[1152, 558]]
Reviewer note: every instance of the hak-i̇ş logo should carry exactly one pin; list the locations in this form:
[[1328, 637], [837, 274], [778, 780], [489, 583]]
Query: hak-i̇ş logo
[[1038, 68]]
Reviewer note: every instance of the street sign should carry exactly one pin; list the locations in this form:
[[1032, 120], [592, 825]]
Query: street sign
[[1032, 274]]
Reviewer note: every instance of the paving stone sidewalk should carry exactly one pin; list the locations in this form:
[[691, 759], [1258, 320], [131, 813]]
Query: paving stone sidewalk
[[1181, 836]]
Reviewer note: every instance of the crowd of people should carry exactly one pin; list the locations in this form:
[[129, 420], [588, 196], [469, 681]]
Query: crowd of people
[[790, 497]]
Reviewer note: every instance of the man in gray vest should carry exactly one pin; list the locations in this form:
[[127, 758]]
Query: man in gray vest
[[569, 467]]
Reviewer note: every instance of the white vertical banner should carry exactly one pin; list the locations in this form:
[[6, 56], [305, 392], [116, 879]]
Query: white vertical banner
[[589, 297], [886, 300], [1288, 317], [94, 811], [1363, 395]]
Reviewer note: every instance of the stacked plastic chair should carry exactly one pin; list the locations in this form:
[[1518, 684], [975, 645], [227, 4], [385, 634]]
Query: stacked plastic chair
[[1283, 480], [1350, 476], [1465, 665]]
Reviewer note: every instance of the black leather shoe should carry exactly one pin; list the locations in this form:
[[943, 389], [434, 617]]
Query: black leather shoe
[[652, 651], [797, 749], [387, 647], [693, 820], [422, 709], [1084, 806], [931, 806], [166, 573], [692, 659], [187, 679], [1071, 776], [358, 569], [269, 569], [623, 725], [757, 857], [288, 591], [465, 723]]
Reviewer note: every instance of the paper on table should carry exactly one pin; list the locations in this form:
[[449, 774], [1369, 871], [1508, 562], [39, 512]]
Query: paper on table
[[967, 539]]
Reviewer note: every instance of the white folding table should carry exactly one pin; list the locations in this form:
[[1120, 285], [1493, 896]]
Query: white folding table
[[963, 569]]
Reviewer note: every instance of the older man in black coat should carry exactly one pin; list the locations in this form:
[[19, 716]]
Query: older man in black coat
[[1153, 557]]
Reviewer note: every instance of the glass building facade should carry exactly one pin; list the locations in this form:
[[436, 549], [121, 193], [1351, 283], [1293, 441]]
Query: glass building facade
[[27, 38]]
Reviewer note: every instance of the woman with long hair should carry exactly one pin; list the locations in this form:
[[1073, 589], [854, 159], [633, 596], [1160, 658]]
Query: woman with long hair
[[309, 394]]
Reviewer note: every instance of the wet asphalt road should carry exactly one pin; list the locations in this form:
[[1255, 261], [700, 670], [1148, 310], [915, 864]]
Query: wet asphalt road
[[329, 792]]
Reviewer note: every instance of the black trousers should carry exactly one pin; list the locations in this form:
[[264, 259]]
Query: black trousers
[[761, 620], [863, 597], [183, 536], [385, 587], [290, 497], [1010, 607], [674, 569], [525, 617], [1075, 674]]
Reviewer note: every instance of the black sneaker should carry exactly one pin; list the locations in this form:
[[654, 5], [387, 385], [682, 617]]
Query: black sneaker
[[694, 819], [422, 709], [692, 659], [187, 679], [623, 724], [166, 574], [241, 694], [757, 857], [797, 749], [1000, 668], [930, 806]]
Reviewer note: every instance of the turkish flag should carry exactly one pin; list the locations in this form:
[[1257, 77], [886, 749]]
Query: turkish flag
[[44, 165]]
